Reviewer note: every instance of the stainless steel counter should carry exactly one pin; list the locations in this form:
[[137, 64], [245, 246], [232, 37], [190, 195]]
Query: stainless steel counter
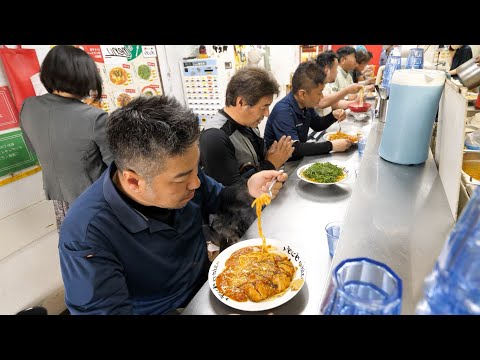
[[299, 214], [396, 214]]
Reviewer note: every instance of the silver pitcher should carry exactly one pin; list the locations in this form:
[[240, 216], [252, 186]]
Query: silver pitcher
[[469, 74], [382, 103]]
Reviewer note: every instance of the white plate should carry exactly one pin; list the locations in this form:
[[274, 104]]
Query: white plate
[[471, 96], [345, 170], [371, 96], [218, 265], [327, 135]]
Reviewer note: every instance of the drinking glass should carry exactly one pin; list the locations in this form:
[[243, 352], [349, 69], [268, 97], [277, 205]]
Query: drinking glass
[[332, 230], [362, 142], [363, 286]]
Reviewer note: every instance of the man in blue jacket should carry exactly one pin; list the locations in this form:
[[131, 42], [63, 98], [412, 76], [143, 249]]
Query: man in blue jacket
[[294, 115], [132, 242]]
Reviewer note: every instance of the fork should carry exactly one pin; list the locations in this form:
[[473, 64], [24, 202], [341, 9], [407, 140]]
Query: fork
[[339, 126], [273, 182]]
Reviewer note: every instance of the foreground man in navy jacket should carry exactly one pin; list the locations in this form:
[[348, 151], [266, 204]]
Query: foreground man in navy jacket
[[132, 242]]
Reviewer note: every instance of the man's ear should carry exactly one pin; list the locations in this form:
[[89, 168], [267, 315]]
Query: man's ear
[[240, 101], [301, 93], [133, 181]]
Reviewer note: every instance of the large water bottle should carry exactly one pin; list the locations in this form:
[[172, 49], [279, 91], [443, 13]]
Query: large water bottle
[[415, 59], [394, 62], [413, 104], [453, 287]]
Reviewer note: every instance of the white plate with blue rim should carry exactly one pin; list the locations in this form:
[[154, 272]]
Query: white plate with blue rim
[[346, 171], [277, 246]]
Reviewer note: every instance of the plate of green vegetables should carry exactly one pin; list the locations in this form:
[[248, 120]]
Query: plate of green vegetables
[[324, 173]]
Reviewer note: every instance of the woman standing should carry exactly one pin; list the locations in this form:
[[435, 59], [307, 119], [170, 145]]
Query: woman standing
[[67, 135]]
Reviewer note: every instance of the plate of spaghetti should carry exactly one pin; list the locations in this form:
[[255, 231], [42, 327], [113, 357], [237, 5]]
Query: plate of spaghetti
[[257, 274], [335, 135], [245, 277], [324, 173]]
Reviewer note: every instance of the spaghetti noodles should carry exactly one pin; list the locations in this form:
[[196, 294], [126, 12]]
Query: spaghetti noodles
[[342, 135], [256, 273], [361, 95], [263, 199], [252, 274]]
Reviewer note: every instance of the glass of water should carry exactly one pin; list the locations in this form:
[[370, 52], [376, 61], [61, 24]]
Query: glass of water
[[362, 142], [332, 229], [363, 286]]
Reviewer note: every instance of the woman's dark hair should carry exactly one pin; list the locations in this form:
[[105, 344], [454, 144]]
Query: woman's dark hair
[[307, 76], [326, 58], [345, 51], [251, 83], [70, 69], [143, 133]]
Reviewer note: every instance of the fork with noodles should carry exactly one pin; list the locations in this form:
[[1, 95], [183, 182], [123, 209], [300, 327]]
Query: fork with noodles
[[259, 202], [361, 95]]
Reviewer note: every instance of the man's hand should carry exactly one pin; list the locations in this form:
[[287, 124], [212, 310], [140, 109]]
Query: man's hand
[[341, 145], [339, 114], [477, 60], [369, 70], [280, 151], [353, 88], [258, 183]]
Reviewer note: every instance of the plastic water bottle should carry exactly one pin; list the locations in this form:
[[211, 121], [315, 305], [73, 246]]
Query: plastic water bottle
[[415, 59], [394, 62], [453, 287]]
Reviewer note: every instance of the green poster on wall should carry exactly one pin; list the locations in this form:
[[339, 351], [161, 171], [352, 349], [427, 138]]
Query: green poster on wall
[[135, 51], [14, 153]]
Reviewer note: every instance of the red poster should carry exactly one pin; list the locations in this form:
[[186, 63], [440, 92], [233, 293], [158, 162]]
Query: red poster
[[94, 51], [8, 111]]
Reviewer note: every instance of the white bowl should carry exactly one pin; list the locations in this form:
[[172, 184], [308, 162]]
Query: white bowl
[[359, 116]]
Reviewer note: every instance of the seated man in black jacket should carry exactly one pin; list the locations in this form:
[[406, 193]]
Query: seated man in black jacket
[[231, 149], [295, 114], [230, 146]]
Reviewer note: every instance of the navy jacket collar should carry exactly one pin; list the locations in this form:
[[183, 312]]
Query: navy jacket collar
[[130, 218], [293, 102]]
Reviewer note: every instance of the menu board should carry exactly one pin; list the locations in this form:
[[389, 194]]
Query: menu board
[[14, 153], [127, 71]]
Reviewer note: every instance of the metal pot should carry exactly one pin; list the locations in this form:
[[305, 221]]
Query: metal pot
[[469, 73], [471, 162]]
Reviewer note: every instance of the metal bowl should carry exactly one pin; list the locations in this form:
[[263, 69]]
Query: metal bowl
[[471, 161]]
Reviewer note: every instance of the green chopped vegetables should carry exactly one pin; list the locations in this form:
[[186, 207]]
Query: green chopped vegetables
[[324, 173], [144, 71]]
